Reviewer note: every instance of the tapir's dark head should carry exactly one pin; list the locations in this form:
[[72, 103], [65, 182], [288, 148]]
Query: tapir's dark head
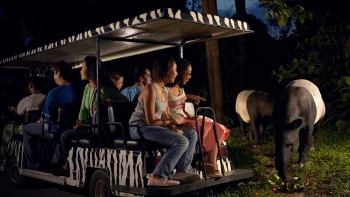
[[287, 144]]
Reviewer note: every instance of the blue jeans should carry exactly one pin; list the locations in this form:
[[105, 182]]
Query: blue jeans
[[34, 150], [66, 140], [180, 151], [62, 148]]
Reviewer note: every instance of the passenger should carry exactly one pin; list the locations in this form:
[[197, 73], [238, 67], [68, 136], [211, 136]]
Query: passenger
[[117, 79], [151, 116], [88, 106], [64, 94], [177, 97], [141, 77], [35, 101]]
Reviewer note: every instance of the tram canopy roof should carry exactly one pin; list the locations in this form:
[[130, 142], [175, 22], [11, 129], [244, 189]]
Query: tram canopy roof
[[151, 31]]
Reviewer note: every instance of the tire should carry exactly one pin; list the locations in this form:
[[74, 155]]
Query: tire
[[99, 185], [15, 179]]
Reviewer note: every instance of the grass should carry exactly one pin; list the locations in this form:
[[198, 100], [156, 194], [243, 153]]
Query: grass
[[326, 174]]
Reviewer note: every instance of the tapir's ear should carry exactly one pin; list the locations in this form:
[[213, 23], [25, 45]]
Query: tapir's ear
[[297, 122]]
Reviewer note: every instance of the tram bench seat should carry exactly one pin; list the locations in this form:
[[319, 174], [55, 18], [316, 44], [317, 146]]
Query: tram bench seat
[[119, 115], [65, 119]]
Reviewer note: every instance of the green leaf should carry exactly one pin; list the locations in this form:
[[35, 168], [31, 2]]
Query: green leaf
[[340, 124], [347, 80], [275, 178], [345, 97], [301, 19]]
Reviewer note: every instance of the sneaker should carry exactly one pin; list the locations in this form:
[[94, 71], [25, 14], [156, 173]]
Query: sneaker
[[185, 178], [161, 182], [212, 172]]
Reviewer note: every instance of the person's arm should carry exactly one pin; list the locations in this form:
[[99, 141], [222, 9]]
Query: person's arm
[[195, 98], [23, 105], [50, 104], [166, 115], [13, 108], [84, 112]]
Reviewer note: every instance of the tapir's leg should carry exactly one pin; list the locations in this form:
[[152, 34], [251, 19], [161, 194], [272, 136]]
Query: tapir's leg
[[312, 142], [254, 128], [305, 137], [242, 127], [312, 139], [263, 127]]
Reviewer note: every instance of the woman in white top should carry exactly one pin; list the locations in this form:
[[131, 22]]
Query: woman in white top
[[176, 98]]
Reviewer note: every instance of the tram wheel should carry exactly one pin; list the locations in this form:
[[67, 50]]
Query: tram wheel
[[99, 185], [15, 179]]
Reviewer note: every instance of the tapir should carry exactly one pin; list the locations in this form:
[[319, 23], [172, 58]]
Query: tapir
[[297, 111], [256, 108]]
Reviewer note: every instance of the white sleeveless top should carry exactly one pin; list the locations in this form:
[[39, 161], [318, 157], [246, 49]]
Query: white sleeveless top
[[139, 114]]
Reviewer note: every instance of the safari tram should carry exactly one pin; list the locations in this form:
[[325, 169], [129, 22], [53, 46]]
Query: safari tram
[[117, 165]]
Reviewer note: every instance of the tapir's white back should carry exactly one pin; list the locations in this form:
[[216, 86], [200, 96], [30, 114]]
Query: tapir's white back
[[241, 105], [316, 94]]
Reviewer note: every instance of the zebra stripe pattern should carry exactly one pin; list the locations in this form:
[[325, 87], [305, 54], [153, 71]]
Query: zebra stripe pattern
[[124, 167], [14, 149], [167, 13]]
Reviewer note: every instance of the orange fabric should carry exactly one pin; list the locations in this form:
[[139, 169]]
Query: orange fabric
[[208, 133]]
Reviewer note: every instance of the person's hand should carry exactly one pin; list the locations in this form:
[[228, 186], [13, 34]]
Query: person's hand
[[197, 99], [40, 120], [187, 125], [80, 122], [178, 121], [177, 130], [109, 102]]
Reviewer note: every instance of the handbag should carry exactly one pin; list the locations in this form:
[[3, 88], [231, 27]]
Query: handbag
[[187, 115]]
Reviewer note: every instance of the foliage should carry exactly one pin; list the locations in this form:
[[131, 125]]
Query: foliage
[[323, 57], [294, 185], [284, 15], [228, 122], [326, 173], [283, 10]]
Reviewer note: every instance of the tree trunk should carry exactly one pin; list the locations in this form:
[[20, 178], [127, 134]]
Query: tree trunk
[[213, 65], [243, 73]]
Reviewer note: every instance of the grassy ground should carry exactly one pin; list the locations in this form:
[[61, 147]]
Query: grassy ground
[[326, 174]]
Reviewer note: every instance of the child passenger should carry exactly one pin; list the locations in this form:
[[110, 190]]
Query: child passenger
[[151, 116], [35, 101], [64, 94], [177, 97]]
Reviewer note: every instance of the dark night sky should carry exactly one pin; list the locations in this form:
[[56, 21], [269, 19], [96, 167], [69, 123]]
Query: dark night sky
[[29, 24]]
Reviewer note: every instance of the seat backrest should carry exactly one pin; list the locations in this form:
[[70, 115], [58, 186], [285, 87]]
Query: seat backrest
[[121, 112], [31, 116], [67, 116]]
